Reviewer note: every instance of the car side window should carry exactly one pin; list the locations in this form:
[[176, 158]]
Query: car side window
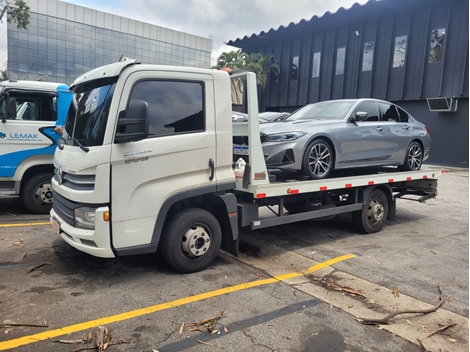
[[175, 107], [389, 112], [404, 116], [371, 108]]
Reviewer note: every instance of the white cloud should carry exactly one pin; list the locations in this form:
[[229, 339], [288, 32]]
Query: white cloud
[[222, 20]]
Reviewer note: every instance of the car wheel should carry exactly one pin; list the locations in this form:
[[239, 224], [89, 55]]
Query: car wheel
[[372, 217], [37, 193], [318, 159], [413, 158], [191, 240]]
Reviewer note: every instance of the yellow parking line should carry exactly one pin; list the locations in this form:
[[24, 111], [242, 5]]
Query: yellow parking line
[[26, 224], [152, 309]]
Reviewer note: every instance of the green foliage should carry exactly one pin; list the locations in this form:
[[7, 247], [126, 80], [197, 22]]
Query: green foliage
[[16, 11], [3, 75], [258, 63]]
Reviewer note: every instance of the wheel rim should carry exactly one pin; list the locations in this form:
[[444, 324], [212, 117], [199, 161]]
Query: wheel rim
[[43, 193], [415, 157], [319, 159], [375, 212], [195, 242]]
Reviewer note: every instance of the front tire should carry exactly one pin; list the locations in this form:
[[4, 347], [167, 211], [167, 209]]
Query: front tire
[[318, 159], [413, 158], [191, 240], [36, 193], [371, 218]]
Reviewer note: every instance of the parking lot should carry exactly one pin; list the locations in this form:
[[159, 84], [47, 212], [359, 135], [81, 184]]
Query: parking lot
[[297, 287]]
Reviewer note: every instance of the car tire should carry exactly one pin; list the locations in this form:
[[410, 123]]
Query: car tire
[[318, 160], [36, 193], [371, 218], [191, 240], [413, 158]]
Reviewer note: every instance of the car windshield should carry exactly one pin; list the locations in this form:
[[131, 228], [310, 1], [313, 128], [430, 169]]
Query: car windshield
[[88, 113], [328, 110]]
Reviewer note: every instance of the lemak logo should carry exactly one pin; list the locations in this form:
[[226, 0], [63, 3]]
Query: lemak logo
[[2, 135]]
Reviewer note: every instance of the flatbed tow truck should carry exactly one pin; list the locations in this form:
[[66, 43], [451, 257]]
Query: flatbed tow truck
[[131, 179]]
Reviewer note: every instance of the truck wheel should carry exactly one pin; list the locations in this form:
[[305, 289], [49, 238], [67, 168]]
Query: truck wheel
[[318, 159], [372, 217], [191, 240], [37, 193]]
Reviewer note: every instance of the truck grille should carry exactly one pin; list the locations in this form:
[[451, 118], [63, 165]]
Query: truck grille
[[77, 182], [63, 207]]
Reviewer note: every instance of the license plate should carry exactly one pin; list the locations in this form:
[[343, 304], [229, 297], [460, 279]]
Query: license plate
[[56, 225], [240, 150]]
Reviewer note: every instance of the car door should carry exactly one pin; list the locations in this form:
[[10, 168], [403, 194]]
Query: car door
[[397, 125], [367, 140], [174, 159]]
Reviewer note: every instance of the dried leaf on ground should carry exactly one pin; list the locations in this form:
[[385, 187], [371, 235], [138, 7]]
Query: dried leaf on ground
[[181, 329], [24, 255], [103, 338], [395, 292], [8, 330], [208, 324], [17, 243], [225, 329], [90, 336], [37, 267]]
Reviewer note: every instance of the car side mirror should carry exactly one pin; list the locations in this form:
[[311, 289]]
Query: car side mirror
[[133, 123], [361, 116]]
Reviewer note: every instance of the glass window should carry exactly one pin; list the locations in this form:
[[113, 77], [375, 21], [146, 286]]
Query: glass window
[[400, 50], [340, 56], [404, 116], [389, 112], [368, 56], [33, 107], [437, 44], [174, 106], [294, 71], [371, 109], [316, 65]]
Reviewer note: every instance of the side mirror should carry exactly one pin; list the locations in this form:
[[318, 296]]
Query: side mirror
[[133, 123], [361, 116], [11, 108]]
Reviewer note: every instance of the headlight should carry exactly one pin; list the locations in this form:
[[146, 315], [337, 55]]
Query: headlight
[[85, 218], [284, 137]]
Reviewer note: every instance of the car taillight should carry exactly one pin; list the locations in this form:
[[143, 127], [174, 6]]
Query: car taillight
[[427, 129]]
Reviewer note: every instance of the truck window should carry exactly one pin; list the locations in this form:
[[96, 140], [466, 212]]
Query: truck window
[[32, 107], [175, 107]]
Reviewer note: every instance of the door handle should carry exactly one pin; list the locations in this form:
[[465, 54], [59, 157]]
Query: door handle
[[380, 129], [406, 127], [211, 167]]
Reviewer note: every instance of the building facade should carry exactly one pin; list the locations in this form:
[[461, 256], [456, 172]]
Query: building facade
[[63, 41], [411, 52]]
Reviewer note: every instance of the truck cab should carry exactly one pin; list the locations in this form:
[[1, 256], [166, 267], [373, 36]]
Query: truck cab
[[29, 113]]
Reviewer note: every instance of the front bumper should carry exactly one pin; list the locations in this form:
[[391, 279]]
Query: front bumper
[[95, 242]]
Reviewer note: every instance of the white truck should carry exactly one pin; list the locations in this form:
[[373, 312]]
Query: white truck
[[29, 113], [146, 164]]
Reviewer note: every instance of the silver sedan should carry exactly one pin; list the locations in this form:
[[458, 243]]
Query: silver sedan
[[341, 134]]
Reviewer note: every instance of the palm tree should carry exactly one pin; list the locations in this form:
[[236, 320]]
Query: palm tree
[[262, 64], [231, 59]]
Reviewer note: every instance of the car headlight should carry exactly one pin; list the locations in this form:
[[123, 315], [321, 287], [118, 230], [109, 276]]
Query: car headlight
[[284, 137], [85, 218]]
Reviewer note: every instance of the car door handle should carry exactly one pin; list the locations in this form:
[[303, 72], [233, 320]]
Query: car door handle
[[406, 127], [380, 129], [211, 167]]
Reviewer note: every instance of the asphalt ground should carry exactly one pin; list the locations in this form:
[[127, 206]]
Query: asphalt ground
[[297, 287]]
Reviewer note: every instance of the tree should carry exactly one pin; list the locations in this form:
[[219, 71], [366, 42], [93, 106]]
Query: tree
[[258, 63], [3, 75], [15, 10]]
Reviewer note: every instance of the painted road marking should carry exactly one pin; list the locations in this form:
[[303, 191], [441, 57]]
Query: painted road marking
[[152, 309], [26, 224]]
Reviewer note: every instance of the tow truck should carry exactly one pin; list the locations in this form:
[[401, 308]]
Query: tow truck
[[146, 165], [29, 113]]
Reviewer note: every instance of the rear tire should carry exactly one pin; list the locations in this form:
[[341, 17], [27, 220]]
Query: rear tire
[[36, 193], [372, 217], [191, 240], [413, 158]]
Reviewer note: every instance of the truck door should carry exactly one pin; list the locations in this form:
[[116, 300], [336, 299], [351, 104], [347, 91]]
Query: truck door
[[175, 158]]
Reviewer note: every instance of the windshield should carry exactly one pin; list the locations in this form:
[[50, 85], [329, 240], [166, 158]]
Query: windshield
[[88, 113], [328, 110]]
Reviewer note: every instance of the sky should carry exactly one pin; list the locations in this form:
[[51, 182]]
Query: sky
[[223, 20]]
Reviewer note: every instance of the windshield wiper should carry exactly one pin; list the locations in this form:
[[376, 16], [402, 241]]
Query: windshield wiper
[[82, 147]]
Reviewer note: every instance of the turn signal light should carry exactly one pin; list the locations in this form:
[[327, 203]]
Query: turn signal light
[[106, 216]]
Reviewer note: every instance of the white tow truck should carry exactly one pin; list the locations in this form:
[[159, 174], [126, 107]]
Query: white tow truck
[[146, 164]]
